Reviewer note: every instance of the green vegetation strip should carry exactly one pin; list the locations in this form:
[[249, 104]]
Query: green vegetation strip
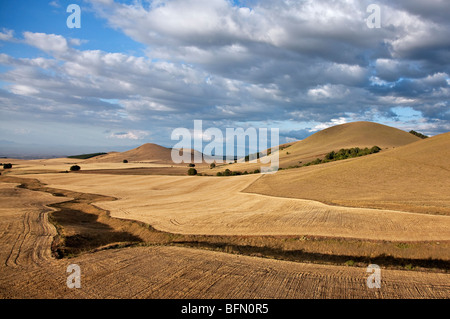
[[345, 153], [422, 136]]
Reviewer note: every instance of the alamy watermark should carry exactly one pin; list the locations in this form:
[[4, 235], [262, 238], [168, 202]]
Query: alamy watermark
[[74, 279], [261, 146], [74, 20], [374, 19], [374, 279]]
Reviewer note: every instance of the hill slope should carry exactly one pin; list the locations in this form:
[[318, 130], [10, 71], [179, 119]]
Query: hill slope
[[356, 134], [414, 177], [147, 152]]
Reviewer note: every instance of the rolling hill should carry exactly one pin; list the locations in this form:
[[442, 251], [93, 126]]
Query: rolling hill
[[355, 134], [414, 177], [145, 153]]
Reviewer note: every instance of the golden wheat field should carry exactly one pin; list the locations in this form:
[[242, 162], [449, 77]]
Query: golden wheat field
[[29, 271], [307, 232], [217, 206], [224, 158]]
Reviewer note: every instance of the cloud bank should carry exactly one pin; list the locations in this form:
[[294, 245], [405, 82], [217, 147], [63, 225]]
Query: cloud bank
[[310, 63]]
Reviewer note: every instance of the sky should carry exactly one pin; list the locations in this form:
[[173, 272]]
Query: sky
[[136, 70]]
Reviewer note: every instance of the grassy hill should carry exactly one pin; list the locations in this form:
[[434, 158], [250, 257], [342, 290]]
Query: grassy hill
[[144, 153], [413, 177], [350, 135]]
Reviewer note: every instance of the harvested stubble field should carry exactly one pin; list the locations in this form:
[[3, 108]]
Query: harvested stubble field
[[217, 206], [301, 233], [152, 267], [411, 178]]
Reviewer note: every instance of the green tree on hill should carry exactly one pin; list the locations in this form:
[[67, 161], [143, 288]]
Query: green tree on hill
[[192, 171], [75, 168]]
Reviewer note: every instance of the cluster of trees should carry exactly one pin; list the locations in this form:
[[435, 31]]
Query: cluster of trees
[[344, 154], [5, 166], [351, 152], [418, 134], [228, 172]]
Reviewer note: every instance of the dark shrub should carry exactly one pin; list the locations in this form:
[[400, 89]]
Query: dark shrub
[[227, 172], [375, 149], [213, 165], [5, 166], [219, 174], [191, 165], [75, 168], [192, 171], [125, 161], [330, 156]]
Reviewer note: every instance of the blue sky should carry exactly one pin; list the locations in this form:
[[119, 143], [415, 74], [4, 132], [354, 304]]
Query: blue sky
[[136, 70]]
